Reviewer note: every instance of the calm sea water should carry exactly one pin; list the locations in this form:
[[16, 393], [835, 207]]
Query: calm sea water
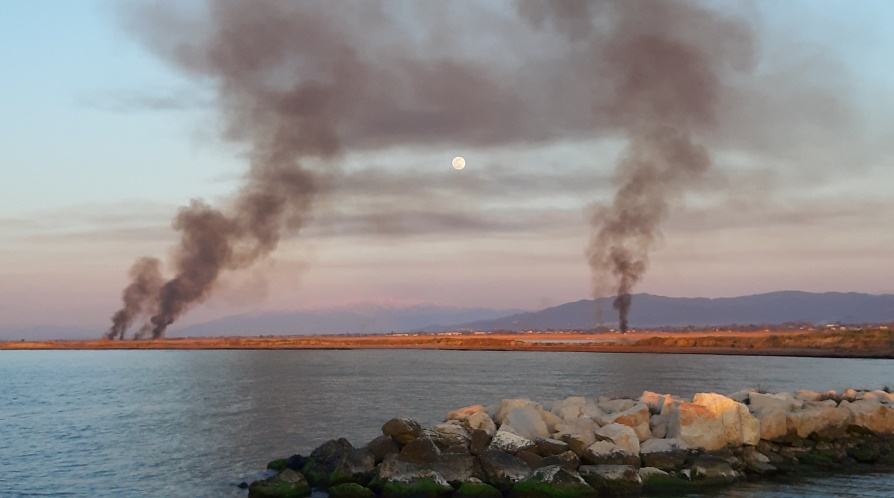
[[196, 423]]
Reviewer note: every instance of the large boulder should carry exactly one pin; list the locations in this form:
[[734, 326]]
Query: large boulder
[[824, 422], [880, 396], [658, 425], [567, 460], [403, 430], [481, 421], [622, 436], [288, 484], [549, 446], [507, 405], [607, 453], [450, 437], [756, 462], [654, 401], [871, 414], [426, 483], [632, 417], [503, 470], [526, 422], [782, 401], [461, 414], [479, 442], [357, 467], [456, 468], [636, 418], [739, 426], [381, 447], [772, 422], [420, 451], [550, 420], [325, 459], [612, 480], [712, 470], [553, 481], [578, 433], [509, 442], [697, 425], [664, 454]]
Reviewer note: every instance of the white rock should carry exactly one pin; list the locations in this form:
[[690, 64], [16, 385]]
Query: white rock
[[592, 411], [481, 421], [872, 415], [740, 396], [510, 443], [697, 425], [782, 401], [643, 432], [819, 420], [550, 420], [507, 405], [658, 425], [526, 422], [578, 425], [570, 412], [751, 426], [734, 416], [663, 445], [622, 436], [601, 449], [772, 422]]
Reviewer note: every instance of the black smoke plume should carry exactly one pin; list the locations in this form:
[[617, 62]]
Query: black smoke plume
[[663, 63], [296, 82]]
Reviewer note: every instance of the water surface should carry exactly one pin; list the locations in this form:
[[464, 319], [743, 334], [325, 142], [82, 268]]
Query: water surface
[[196, 423]]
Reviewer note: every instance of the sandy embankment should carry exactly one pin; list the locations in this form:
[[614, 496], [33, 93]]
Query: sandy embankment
[[875, 343]]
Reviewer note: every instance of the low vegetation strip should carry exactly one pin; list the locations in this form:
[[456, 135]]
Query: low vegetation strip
[[868, 343]]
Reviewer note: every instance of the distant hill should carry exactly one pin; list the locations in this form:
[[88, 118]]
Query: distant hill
[[647, 311], [658, 311], [354, 319], [51, 332]]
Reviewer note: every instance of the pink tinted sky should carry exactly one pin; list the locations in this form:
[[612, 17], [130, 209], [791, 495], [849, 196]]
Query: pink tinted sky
[[99, 151]]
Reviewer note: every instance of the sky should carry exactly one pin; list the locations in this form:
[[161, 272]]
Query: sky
[[106, 131]]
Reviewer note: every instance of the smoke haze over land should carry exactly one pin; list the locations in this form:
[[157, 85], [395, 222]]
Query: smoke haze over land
[[296, 87]]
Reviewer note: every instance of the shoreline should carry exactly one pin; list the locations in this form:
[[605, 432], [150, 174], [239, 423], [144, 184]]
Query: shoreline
[[869, 344]]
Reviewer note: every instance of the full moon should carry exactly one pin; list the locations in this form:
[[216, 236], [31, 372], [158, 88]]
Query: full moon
[[459, 163]]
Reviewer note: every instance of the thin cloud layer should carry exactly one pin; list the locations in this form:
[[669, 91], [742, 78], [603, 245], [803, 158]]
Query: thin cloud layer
[[298, 85]]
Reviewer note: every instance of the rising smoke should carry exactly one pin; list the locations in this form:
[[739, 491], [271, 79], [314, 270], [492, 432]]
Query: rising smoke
[[294, 81], [664, 63]]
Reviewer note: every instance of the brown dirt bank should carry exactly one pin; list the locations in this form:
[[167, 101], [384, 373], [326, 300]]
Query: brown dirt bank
[[874, 343]]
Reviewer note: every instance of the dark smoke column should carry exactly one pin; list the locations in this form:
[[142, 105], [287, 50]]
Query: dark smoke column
[[657, 166], [660, 67], [667, 61], [280, 101]]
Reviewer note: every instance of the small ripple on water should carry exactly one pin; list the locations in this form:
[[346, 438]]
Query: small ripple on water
[[196, 423]]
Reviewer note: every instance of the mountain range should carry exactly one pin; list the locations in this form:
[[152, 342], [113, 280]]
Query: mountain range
[[647, 311], [657, 311]]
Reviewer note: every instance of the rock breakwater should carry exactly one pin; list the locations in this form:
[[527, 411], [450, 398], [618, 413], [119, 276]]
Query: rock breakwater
[[589, 447]]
